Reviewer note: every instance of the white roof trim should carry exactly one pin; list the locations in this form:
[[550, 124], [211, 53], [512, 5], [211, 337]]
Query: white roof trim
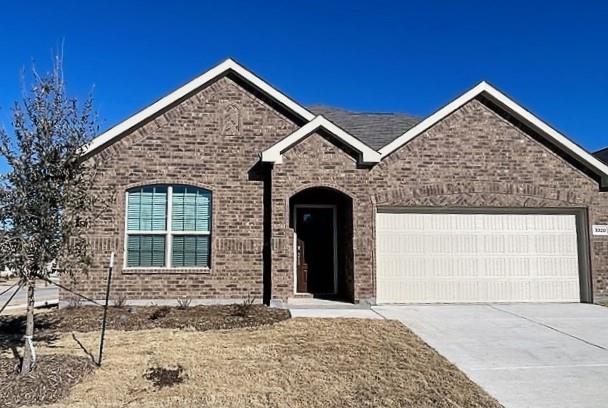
[[515, 109], [274, 153], [213, 73]]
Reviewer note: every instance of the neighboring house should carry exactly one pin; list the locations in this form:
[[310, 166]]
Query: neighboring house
[[227, 188], [602, 155]]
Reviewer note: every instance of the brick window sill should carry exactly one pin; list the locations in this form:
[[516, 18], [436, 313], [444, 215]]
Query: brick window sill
[[165, 271]]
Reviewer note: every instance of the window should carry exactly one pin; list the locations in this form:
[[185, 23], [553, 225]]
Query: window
[[168, 226]]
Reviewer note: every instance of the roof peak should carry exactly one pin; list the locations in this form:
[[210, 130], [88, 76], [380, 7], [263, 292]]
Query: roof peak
[[228, 65]]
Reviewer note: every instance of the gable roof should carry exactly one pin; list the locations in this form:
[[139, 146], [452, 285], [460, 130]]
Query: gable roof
[[369, 131], [517, 111], [214, 73], [367, 155], [374, 129]]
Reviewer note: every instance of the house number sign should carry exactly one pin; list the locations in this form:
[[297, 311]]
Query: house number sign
[[600, 230]]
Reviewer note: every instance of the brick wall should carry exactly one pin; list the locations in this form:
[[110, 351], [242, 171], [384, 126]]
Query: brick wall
[[211, 140], [477, 158], [473, 158], [312, 163]]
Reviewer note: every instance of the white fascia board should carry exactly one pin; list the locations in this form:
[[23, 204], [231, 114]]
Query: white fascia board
[[274, 153], [562, 140], [515, 109], [210, 75]]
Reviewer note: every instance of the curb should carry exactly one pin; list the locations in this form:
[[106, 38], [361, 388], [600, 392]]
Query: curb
[[38, 304]]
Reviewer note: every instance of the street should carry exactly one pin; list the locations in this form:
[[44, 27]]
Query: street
[[45, 294]]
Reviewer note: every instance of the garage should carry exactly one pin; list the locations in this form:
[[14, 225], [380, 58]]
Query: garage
[[450, 257]]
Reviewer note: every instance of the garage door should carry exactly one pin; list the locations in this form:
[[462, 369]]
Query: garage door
[[433, 258]]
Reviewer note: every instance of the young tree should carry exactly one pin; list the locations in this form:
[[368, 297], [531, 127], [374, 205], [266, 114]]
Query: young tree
[[45, 198]]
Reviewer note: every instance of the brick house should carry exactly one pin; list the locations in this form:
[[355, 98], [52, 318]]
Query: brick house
[[227, 188]]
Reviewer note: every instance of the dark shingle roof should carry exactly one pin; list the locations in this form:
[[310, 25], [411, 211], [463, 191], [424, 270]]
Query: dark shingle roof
[[374, 129], [602, 155]]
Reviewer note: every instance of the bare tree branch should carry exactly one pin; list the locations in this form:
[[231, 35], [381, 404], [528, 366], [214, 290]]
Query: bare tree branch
[[46, 199]]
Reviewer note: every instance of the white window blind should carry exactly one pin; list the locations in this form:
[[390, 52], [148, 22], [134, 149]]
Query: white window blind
[[168, 225]]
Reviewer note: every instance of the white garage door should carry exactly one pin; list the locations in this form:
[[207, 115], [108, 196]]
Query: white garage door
[[442, 258]]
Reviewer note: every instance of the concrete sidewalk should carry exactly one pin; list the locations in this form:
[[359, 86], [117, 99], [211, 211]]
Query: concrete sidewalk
[[320, 308], [335, 313]]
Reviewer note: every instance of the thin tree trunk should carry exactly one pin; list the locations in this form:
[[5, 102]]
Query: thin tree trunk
[[28, 354]]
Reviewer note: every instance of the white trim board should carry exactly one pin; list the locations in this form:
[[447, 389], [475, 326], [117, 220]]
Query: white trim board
[[212, 74], [517, 111], [273, 154]]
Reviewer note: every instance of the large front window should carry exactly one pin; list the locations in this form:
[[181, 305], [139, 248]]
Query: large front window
[[183, 241]]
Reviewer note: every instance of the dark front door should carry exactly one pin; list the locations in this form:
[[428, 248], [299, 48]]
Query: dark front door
[[315, 258]]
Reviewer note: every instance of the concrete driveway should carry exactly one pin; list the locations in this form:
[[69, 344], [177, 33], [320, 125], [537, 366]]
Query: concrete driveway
[[525, 355]]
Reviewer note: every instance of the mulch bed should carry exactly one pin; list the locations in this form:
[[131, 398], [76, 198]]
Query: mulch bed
[[51, 380], [88, 318], [54, 375]]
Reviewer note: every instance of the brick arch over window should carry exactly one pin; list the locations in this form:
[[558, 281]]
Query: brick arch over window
[[181, 181]]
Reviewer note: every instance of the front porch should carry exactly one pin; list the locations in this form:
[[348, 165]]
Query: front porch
[[313, 259], [321, 222]]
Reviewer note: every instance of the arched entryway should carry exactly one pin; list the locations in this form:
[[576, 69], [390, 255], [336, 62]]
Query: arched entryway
[[322, 220]]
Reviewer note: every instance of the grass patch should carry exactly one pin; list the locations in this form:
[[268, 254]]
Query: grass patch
[[296, 363]]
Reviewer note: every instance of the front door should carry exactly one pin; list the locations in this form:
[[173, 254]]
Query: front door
[[315, 246]]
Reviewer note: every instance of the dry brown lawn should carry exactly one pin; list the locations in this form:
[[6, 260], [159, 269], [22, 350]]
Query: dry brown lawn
[[295, 363]]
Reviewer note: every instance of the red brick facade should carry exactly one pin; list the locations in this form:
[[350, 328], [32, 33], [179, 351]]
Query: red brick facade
[[473, 158], [199, 142]]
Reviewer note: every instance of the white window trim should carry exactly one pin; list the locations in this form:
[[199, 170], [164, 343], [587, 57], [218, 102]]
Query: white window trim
[[168, 233]]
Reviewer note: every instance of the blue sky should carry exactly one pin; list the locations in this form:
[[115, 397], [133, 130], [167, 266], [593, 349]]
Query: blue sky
[[374, 56]]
